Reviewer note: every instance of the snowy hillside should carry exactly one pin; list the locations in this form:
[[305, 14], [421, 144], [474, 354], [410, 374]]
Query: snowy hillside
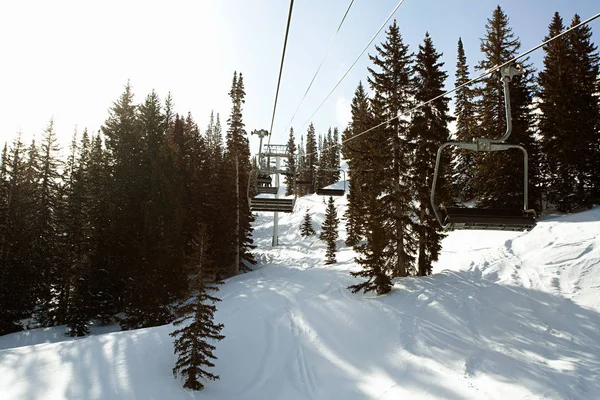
[[505, 316]]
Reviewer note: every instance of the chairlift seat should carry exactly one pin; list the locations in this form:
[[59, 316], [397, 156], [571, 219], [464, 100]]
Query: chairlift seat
[[265, 204], [267, 189], [489, 219], [330, 192]]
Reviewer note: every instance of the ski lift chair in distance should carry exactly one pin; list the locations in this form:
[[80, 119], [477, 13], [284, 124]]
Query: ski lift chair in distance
[[483, 218], [332, 192], [267, 204]]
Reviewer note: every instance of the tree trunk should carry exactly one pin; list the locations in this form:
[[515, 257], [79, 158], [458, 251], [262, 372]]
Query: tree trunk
[[236, 268]]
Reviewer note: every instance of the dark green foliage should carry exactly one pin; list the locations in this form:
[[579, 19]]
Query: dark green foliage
[[499, 180], [311, 159], [306, 229], [570, 166], [195, 315], [428, 131], [394, 89], [329, 232], [235, 181], [45, 248], [290, 177], [357, 151], [17, 273], [466, 129], [372, 259]]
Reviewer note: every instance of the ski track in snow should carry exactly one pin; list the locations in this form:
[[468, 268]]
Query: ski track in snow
[[505, 316]]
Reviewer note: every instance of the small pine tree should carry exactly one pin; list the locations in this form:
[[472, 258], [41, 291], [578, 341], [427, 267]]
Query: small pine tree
[[191, 345], [306, 228], [329, 232]]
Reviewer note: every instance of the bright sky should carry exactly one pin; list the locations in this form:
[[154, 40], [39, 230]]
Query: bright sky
[[71, 59]]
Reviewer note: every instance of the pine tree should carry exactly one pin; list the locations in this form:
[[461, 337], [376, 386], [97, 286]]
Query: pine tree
[[499, 180], [329, 231], [394, 89], [17, 299], [466, 128], [372, 259], [46, 244], [104, 285], [77, 226], [429, 130], [584, 92], [357, 153], [555, 105], [125, 188], [238, 160], [306, 229], [193, 343], [311, 156], [290, 177], [154, 280]]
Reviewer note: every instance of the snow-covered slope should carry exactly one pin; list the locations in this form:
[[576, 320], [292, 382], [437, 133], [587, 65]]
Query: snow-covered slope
[[505, 316]]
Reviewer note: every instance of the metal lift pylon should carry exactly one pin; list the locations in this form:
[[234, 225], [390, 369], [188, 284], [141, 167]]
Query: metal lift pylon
[[269, 204]]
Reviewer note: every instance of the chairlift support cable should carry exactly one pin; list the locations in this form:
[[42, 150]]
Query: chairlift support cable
[[355, 61], [321, 64], [287, 31]]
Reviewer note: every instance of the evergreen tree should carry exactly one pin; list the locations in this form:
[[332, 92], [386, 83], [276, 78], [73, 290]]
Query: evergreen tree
[[306, 229], [193, 343], [555, 104], [584, 92], [372, 259], [466, 128], [329, 231], [499, 179], [104, 284], [125, 188], [46, 244], [429, 130], [311, 162], [290, 177], [17, 272], [238, 160], [394, 89], [77, 226], [357, 153]]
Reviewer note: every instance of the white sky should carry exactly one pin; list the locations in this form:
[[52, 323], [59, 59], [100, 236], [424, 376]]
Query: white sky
[[71, 59]]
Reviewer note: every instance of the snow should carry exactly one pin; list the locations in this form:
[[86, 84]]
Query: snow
[[505, 316]]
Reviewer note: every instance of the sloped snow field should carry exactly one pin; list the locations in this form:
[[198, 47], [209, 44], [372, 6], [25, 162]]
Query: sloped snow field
[[505, 316]]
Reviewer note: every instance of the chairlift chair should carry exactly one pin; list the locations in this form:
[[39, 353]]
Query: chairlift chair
[[483, 218], [332, 192]]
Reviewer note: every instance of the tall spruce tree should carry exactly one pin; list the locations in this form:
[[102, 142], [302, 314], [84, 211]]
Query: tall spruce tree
[[311, 158], [238, 160], [17, 272], [78, 231], [357, 151], [553, 123], [584, 65], [394, 89], [46, 244], [429, 130], [329, 232], [466, 128], [125, 187], [194, 341], [147, 290], [499, 181], [290, 177]]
